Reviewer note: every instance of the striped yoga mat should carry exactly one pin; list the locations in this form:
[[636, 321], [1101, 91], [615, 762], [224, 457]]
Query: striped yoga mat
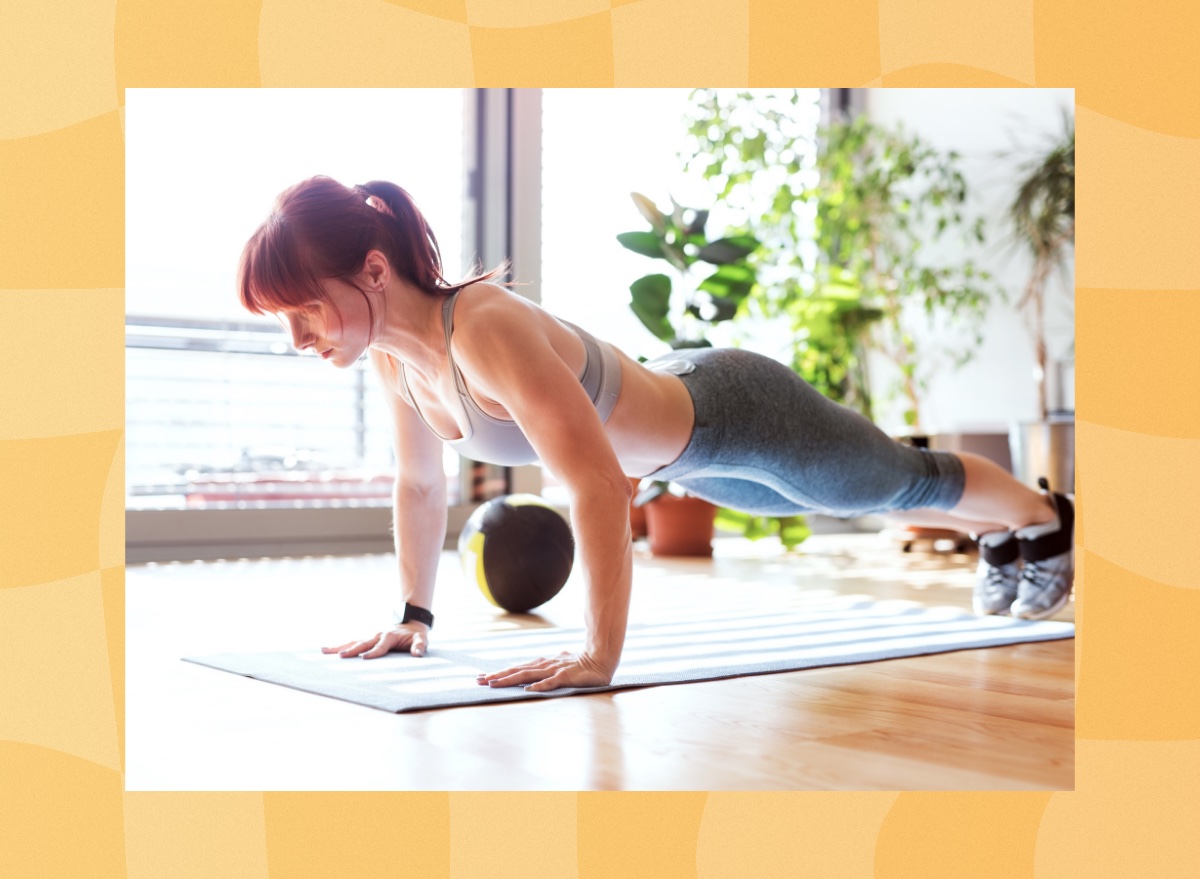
[[830, 630]]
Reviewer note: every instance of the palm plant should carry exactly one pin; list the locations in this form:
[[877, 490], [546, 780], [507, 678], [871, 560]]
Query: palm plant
[[1043, 216]]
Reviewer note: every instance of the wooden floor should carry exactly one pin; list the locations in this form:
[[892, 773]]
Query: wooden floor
[[988, 719]]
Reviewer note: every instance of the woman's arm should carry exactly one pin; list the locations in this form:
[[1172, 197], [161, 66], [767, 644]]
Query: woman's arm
[[600, 517], [418, 522], [518, 366], [419, 529]]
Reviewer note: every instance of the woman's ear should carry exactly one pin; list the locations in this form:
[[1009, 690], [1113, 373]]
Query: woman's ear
[[376, 270]]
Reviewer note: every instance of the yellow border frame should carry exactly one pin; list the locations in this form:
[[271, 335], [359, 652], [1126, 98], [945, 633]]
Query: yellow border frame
[[63, 809]]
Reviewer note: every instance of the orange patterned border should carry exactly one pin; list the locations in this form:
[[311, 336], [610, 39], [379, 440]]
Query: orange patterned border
[[62, 78]]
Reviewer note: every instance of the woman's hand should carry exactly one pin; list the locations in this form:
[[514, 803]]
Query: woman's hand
[[410, 637], [566, 670]]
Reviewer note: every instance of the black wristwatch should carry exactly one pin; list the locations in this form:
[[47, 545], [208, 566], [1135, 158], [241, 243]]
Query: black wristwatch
[[414, 614]]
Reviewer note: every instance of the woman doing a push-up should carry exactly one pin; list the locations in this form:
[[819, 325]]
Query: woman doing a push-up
[[356, 270]]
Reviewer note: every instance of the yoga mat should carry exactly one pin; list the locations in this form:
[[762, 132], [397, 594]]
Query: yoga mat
[[835, 630]]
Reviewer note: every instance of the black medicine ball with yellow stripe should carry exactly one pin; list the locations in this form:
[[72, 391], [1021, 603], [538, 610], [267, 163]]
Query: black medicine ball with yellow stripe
[[518, 550]]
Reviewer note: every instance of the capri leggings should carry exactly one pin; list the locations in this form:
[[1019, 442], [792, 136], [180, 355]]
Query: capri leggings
[[766, 442]]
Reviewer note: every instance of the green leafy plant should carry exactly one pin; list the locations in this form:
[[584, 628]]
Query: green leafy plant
[[884, 197], [1042, 215], [678, 311], [756, 150], [791, 530], [848, 215]]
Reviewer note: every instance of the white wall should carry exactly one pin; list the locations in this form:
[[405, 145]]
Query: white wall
[[997, 387]]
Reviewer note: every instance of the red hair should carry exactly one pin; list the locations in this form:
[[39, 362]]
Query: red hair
[[320, 229]]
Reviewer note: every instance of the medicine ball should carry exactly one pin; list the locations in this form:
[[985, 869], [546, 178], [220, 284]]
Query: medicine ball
[[518, 550]]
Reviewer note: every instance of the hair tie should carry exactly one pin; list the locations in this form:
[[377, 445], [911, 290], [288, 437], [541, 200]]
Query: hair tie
[[375, 201]]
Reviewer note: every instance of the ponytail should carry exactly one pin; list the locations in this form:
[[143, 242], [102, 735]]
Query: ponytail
[[321, 229]]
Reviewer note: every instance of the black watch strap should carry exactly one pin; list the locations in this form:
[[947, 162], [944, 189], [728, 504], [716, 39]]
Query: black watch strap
[[414, 614]]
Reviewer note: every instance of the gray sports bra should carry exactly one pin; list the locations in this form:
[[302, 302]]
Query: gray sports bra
[[499, 441]]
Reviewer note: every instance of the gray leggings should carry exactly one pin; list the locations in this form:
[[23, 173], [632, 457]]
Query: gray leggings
[[765, 442]]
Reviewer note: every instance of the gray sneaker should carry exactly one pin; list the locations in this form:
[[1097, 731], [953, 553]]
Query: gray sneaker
[[997, 577], [1049, 565]]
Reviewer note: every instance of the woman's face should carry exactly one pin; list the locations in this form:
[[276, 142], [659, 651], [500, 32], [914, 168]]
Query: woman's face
[[337, 330]]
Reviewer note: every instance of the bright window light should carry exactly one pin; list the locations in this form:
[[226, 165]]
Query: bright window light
[[219, 411]]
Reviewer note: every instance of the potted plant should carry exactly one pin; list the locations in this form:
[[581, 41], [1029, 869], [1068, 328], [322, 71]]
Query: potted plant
[[678, 312], [862, 201], [883, 197], [676, 523], [1042, 216], [754, 149]]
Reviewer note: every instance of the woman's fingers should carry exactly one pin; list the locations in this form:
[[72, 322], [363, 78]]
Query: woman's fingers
[[419, 643], [512, 669], [359, 647], [527, 676], [556, 680], [568, 670], [401, 638], [384, 642], [517, 675]]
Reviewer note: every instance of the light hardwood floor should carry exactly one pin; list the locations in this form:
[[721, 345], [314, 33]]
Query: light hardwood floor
[[989, 719]]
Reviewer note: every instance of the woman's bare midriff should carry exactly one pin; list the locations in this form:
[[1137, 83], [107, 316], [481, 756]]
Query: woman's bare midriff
[[652, 422]]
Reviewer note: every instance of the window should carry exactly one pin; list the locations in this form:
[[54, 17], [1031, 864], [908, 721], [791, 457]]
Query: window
[[226, 415], [220, 411], [598, 145]]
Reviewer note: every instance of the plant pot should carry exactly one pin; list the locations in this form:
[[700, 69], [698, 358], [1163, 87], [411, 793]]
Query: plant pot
[[1044, 448], [680, 526], [915, 534], [637, 515]]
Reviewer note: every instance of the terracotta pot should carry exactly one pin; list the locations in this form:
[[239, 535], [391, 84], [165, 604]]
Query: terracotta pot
[[680, 525], [920, 532], [637, 515]]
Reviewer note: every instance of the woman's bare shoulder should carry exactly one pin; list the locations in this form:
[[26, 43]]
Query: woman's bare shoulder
[[484, 296], [483, 306], [489, 311], [499, 316]]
